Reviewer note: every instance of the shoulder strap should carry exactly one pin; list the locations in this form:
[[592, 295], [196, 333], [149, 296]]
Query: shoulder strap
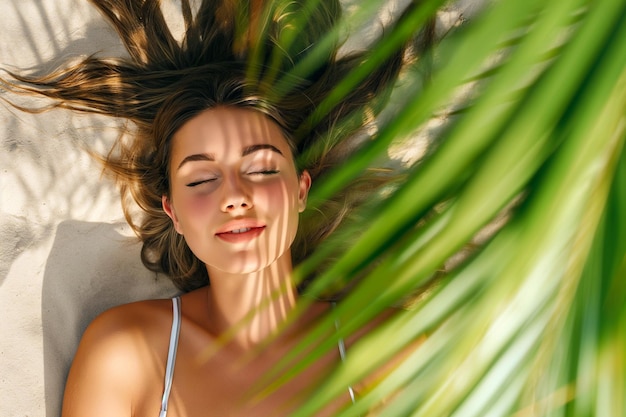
[[342, 353], [171, 355]]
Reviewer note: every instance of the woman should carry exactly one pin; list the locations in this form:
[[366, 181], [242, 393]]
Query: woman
[[223, 146], [234, 195]]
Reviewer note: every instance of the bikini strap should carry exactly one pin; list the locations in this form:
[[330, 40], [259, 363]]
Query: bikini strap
[[342, 353], [171, 355]]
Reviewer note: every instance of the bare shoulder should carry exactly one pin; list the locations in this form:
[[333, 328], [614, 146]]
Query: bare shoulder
[[115, 358], [134, 319], [122, 332]]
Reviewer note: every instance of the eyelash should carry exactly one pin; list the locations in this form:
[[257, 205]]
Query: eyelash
[[193, 184], [264, 172]]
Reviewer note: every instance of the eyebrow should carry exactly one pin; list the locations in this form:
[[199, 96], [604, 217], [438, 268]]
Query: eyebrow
[[246, 151], [254, 148], [197, 157]]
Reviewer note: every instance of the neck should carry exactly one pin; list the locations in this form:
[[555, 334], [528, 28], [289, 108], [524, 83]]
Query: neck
[[250, 308]]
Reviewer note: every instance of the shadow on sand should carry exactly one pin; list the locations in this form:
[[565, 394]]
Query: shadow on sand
[[91, 267]]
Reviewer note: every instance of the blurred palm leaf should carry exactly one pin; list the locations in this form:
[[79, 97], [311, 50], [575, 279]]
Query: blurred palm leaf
[[533, 322]]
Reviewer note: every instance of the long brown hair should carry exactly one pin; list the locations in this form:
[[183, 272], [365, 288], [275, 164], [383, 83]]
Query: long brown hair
[[234, 53]]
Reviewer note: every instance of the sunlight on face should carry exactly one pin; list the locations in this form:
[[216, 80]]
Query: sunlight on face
[[235, 193]]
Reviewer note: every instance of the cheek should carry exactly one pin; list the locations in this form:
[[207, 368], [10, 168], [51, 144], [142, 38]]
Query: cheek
[[280, 199], [194, 209], [281, 203]]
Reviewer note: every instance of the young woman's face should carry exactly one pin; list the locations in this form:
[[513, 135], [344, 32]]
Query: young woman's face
[[235, 194]]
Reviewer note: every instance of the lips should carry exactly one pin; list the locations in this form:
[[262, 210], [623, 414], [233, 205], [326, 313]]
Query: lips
[[240, 231]]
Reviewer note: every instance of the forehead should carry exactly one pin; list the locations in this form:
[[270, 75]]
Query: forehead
[[226, 130]]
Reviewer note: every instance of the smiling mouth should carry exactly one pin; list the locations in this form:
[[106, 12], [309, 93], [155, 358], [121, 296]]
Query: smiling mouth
[[243, 234]]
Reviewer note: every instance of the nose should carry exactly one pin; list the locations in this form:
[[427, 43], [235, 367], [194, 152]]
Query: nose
[[235, 196]]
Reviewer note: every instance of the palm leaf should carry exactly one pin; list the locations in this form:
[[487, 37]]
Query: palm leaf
[[534, 321]]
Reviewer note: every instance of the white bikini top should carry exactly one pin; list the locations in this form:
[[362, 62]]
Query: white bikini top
[[171, 356]]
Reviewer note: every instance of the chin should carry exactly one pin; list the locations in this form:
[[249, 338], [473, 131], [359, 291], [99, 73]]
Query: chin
[[249, 261], [240, 266]]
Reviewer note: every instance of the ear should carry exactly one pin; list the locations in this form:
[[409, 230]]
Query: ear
[[305, 185], [168, 208]]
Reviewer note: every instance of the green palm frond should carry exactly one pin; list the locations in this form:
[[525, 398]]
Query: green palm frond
[[533, 322]]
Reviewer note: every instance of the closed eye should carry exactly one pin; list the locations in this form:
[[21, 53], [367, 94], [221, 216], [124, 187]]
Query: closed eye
[[264, 172], [195, 183]]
